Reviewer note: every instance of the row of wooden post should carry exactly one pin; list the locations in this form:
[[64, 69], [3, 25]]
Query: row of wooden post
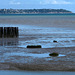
[[9, 32]]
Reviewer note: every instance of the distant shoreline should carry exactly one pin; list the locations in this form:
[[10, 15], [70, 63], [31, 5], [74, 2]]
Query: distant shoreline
[[42, 14], [34, 11]]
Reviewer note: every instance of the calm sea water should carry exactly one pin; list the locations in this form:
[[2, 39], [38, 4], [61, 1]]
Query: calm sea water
[[42, 29]]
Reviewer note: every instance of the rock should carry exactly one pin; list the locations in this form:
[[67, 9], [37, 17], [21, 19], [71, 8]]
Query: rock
[[54, 54], [34, 46], [55, 41]]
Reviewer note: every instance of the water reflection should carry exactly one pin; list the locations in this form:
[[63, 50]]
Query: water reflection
[[8, 41]]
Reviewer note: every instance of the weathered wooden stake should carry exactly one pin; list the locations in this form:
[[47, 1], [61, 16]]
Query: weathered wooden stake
[[5, 32], [1, 32]]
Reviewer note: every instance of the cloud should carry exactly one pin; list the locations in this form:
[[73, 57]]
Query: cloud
[[15, 2], [54, 2]]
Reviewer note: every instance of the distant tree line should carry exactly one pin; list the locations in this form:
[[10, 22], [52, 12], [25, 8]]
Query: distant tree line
[[32, 11]]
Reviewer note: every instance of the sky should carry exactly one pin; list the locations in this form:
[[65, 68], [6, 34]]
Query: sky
[[38, 4]]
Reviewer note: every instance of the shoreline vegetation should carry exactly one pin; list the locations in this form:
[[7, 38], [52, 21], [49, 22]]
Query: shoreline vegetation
[[35, 11]]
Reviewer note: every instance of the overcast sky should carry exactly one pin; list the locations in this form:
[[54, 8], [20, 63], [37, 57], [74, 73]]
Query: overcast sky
[[36, 4]]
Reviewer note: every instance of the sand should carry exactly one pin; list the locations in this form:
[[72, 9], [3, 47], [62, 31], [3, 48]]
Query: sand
[[19, 59]]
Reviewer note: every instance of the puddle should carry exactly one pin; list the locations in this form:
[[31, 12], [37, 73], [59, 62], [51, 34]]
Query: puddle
[[44, 55], [46, 42], [61, 55]]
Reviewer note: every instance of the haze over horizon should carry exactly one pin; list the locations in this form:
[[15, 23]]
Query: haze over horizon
[[38, 4]]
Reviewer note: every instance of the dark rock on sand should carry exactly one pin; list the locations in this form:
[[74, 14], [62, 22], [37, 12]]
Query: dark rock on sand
[[55, 41], [54, 54], [34, 46]]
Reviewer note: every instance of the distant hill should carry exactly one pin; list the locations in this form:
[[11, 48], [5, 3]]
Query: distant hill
[[33, 11]]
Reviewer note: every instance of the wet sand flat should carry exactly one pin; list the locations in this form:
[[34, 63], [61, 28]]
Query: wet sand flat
[[37, 59]]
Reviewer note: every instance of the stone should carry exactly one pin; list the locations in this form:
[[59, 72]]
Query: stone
[[54, 54], [55, 41], [34, 46]]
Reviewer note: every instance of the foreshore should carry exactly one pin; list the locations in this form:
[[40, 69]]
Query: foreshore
[[11, 59], [39, 30]]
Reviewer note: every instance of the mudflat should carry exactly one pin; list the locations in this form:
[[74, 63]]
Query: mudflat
[[17, 58]]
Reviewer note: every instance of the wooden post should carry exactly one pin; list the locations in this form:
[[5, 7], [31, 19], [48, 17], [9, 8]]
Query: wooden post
[[1, 32], [14, 29], [11, 33], [5, 32]]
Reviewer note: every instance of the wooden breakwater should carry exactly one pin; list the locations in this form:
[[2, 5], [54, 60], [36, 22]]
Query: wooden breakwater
[[9, 32]]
